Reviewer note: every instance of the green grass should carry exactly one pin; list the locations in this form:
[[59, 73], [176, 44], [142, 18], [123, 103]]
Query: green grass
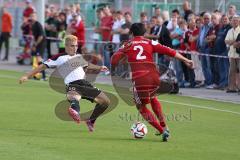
[[29, 129]]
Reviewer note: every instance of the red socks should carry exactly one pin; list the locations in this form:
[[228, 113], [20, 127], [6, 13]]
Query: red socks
[[148, 116], [157, 109]]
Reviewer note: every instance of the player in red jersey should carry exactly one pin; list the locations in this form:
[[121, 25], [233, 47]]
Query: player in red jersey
[[145, 76]]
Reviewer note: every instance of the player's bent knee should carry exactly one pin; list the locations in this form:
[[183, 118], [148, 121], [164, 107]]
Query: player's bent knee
[[73, 96]]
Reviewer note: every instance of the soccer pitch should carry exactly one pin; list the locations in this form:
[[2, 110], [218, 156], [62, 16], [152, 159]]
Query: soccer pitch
[[30, 130]]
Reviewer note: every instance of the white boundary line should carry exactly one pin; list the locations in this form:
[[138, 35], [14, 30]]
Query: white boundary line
[[202, 107], [193, 105]]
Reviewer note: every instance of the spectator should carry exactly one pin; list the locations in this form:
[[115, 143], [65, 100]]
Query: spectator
[[221, 49], [77, 28], [174, 20], [234, 79], [118, 22], [51, 29], [177, 38], [191, 40], [198, 23], [80, 33], [231, 11], [106, 27], [203, 48], [61, 21], [96, 35], [187, 10], [143, 18], [163, 37], [106, 24], [29, 9], [165, 17], [152, 29], [210, 38], [125, 28], [61, 36], [26, 31], [6, 31], [71, 11], [38, 47], [157, 11]]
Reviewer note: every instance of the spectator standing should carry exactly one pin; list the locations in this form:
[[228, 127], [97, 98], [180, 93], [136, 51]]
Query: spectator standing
[[38, 47], [29, 9], [6, 31], [125, 28], [191, 40], [203, 48], [234, 80], [106, 27], [231, 11], [210, 38], [221, 49], [174, 19], [51, 30], [157, 11], [119, 21], [187, 10]]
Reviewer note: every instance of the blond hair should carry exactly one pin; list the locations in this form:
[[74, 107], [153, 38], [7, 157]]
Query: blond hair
[[70, 38]]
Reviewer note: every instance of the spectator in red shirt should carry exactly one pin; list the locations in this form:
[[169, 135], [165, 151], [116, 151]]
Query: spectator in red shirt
[[6, 31], [80, 33], [29, 9], [191, 44], [77, 28], [106, 24]]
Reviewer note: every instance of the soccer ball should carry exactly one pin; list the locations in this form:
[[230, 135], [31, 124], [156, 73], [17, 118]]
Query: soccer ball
[[139, 130]]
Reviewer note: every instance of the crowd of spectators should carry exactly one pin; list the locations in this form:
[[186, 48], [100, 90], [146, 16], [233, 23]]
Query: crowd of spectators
[[210, 39]]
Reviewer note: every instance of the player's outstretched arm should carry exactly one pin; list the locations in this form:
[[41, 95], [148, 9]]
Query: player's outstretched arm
[[96, 67], [25, 77], [188, 62], [170, 52]]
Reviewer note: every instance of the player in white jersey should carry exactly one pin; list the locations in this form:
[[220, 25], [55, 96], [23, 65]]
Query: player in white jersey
[[72, 69]]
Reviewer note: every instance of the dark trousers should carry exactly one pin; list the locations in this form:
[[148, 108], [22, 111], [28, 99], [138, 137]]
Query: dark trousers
[[4, 38], [214, 67], [188, 72], [49, 55]]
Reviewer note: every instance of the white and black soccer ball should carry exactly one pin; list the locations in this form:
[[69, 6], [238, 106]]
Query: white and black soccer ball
[[139, 130]]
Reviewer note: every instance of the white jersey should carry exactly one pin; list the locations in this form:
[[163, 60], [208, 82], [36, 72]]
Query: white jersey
[[69, 67]]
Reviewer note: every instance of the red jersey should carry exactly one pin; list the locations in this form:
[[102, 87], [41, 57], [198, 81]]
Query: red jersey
[[7, 22], [28, 11], [189, 33], [106, 28], [139, 52], [80, 33], [145, 76]]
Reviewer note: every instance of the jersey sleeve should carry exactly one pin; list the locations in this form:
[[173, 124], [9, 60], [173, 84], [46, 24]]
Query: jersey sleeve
[[161, 49], [120, 54], [51, 63], [116, 57]]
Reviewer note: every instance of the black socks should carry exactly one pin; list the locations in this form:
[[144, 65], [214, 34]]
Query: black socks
[[75, 105], [98, 110]]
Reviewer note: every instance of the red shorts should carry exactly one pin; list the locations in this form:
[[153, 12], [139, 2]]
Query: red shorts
[[145, 88]]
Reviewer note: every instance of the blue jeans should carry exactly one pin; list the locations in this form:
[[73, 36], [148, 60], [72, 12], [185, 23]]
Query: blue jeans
[[223, 67], [206, 66], [179, 72], [106, 56]]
